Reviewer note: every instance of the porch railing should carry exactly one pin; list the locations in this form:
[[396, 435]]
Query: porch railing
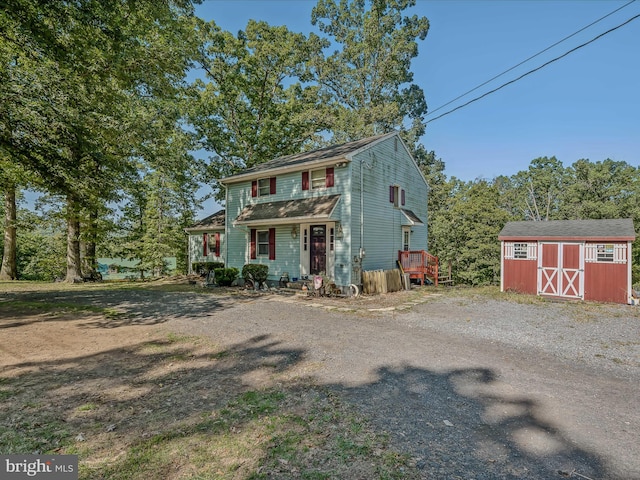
[[419, 264]]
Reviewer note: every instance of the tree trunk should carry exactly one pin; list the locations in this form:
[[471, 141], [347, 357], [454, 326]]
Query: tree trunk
[[88, 248], [74, 271], [9, 269]]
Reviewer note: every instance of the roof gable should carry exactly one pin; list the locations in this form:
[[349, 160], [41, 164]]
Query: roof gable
[[620, 229], [215, 221]]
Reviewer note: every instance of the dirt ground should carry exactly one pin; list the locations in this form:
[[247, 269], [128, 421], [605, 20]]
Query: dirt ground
[[461, 405]]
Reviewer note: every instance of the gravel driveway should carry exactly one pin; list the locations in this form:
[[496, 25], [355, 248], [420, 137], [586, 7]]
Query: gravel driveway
[[469, 386], [472, 388]]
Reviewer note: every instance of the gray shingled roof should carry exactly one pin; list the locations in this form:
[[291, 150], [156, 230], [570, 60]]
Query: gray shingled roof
[[412, 216], [216, 220], [621, 228], [326, 153], [320, 207]]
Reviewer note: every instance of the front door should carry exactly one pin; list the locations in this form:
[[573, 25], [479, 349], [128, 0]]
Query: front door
[[318, 250]]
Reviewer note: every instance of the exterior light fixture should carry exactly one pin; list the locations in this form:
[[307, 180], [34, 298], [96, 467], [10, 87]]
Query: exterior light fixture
[[294, 232]]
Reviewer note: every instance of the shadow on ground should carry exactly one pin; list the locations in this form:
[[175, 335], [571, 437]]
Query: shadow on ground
[[166, 390], [456, 429], [122, 307]]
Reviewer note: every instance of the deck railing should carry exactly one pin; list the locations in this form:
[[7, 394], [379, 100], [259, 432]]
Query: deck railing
[[419, 264]]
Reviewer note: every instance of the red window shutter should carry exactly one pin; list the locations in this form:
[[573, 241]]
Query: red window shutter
[[254, 188], [272, 186], [252, 244], [272, 244], [402, 197], [217, 244], [204, 244], [391, 194], [329, 177], [305, 180]]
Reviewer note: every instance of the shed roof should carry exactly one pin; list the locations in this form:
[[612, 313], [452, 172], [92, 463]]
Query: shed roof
[[605, 229], [212, 222], [288, 211], [330, 153]]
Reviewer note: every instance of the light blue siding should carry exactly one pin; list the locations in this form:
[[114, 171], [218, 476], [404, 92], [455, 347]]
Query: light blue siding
[[382, 164], [196, 250]]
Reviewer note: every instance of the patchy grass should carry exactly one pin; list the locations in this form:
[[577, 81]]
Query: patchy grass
[[9, 308], [176, 406]]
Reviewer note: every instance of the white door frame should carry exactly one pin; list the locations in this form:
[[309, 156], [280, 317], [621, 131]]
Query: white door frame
[[558, 280]]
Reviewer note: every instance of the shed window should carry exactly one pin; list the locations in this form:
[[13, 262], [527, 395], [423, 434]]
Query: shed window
[[604, 252], [520, 251]]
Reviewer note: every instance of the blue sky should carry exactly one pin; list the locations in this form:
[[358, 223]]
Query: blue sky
[[585, 105]]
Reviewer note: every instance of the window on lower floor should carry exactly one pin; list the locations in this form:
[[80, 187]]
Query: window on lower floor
[[263, 242], [406, 243]]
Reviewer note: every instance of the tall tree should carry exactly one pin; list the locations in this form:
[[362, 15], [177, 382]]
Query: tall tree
[[73, 69], [536, 193], [369, 78], [606, 189], [254, 104]]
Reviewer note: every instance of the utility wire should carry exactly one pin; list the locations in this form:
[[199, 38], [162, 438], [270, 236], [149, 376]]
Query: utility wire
[[531, 57], [534, 70]]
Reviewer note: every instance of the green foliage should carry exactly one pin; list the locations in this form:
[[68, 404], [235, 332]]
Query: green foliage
[[226, 276], [368, 78], [466, 231], [255, 272], [254, 105], [42, 245]]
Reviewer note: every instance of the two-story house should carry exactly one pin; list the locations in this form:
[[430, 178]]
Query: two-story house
[[334, 211]]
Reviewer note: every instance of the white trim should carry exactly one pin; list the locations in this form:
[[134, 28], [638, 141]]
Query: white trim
[[560, 281]]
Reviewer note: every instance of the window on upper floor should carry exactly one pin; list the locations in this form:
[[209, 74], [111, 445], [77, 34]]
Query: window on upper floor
[[396, 195], [318, 178], [263, 187]]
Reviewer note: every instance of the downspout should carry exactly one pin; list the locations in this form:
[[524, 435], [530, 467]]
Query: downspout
[[226, 226], [361, 252]]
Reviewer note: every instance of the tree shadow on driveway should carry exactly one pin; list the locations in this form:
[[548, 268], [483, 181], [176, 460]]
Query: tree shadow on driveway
[[456, 429], [119, 307]]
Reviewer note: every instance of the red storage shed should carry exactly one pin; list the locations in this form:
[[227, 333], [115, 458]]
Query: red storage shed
[[579, 259]]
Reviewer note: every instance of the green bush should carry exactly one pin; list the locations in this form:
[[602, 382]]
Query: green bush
[[226, 276], [203, 268], [255, 273]]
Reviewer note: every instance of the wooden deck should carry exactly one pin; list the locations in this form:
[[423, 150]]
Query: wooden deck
[[421, 265]]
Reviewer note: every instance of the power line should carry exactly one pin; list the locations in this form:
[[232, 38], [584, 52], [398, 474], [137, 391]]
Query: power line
[[534, 70], [530, 58]]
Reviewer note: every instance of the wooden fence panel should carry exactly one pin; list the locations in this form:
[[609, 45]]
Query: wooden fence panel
[[381, 281]]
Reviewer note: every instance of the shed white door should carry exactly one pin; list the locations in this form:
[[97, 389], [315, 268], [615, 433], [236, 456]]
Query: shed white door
[[561, 270]]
